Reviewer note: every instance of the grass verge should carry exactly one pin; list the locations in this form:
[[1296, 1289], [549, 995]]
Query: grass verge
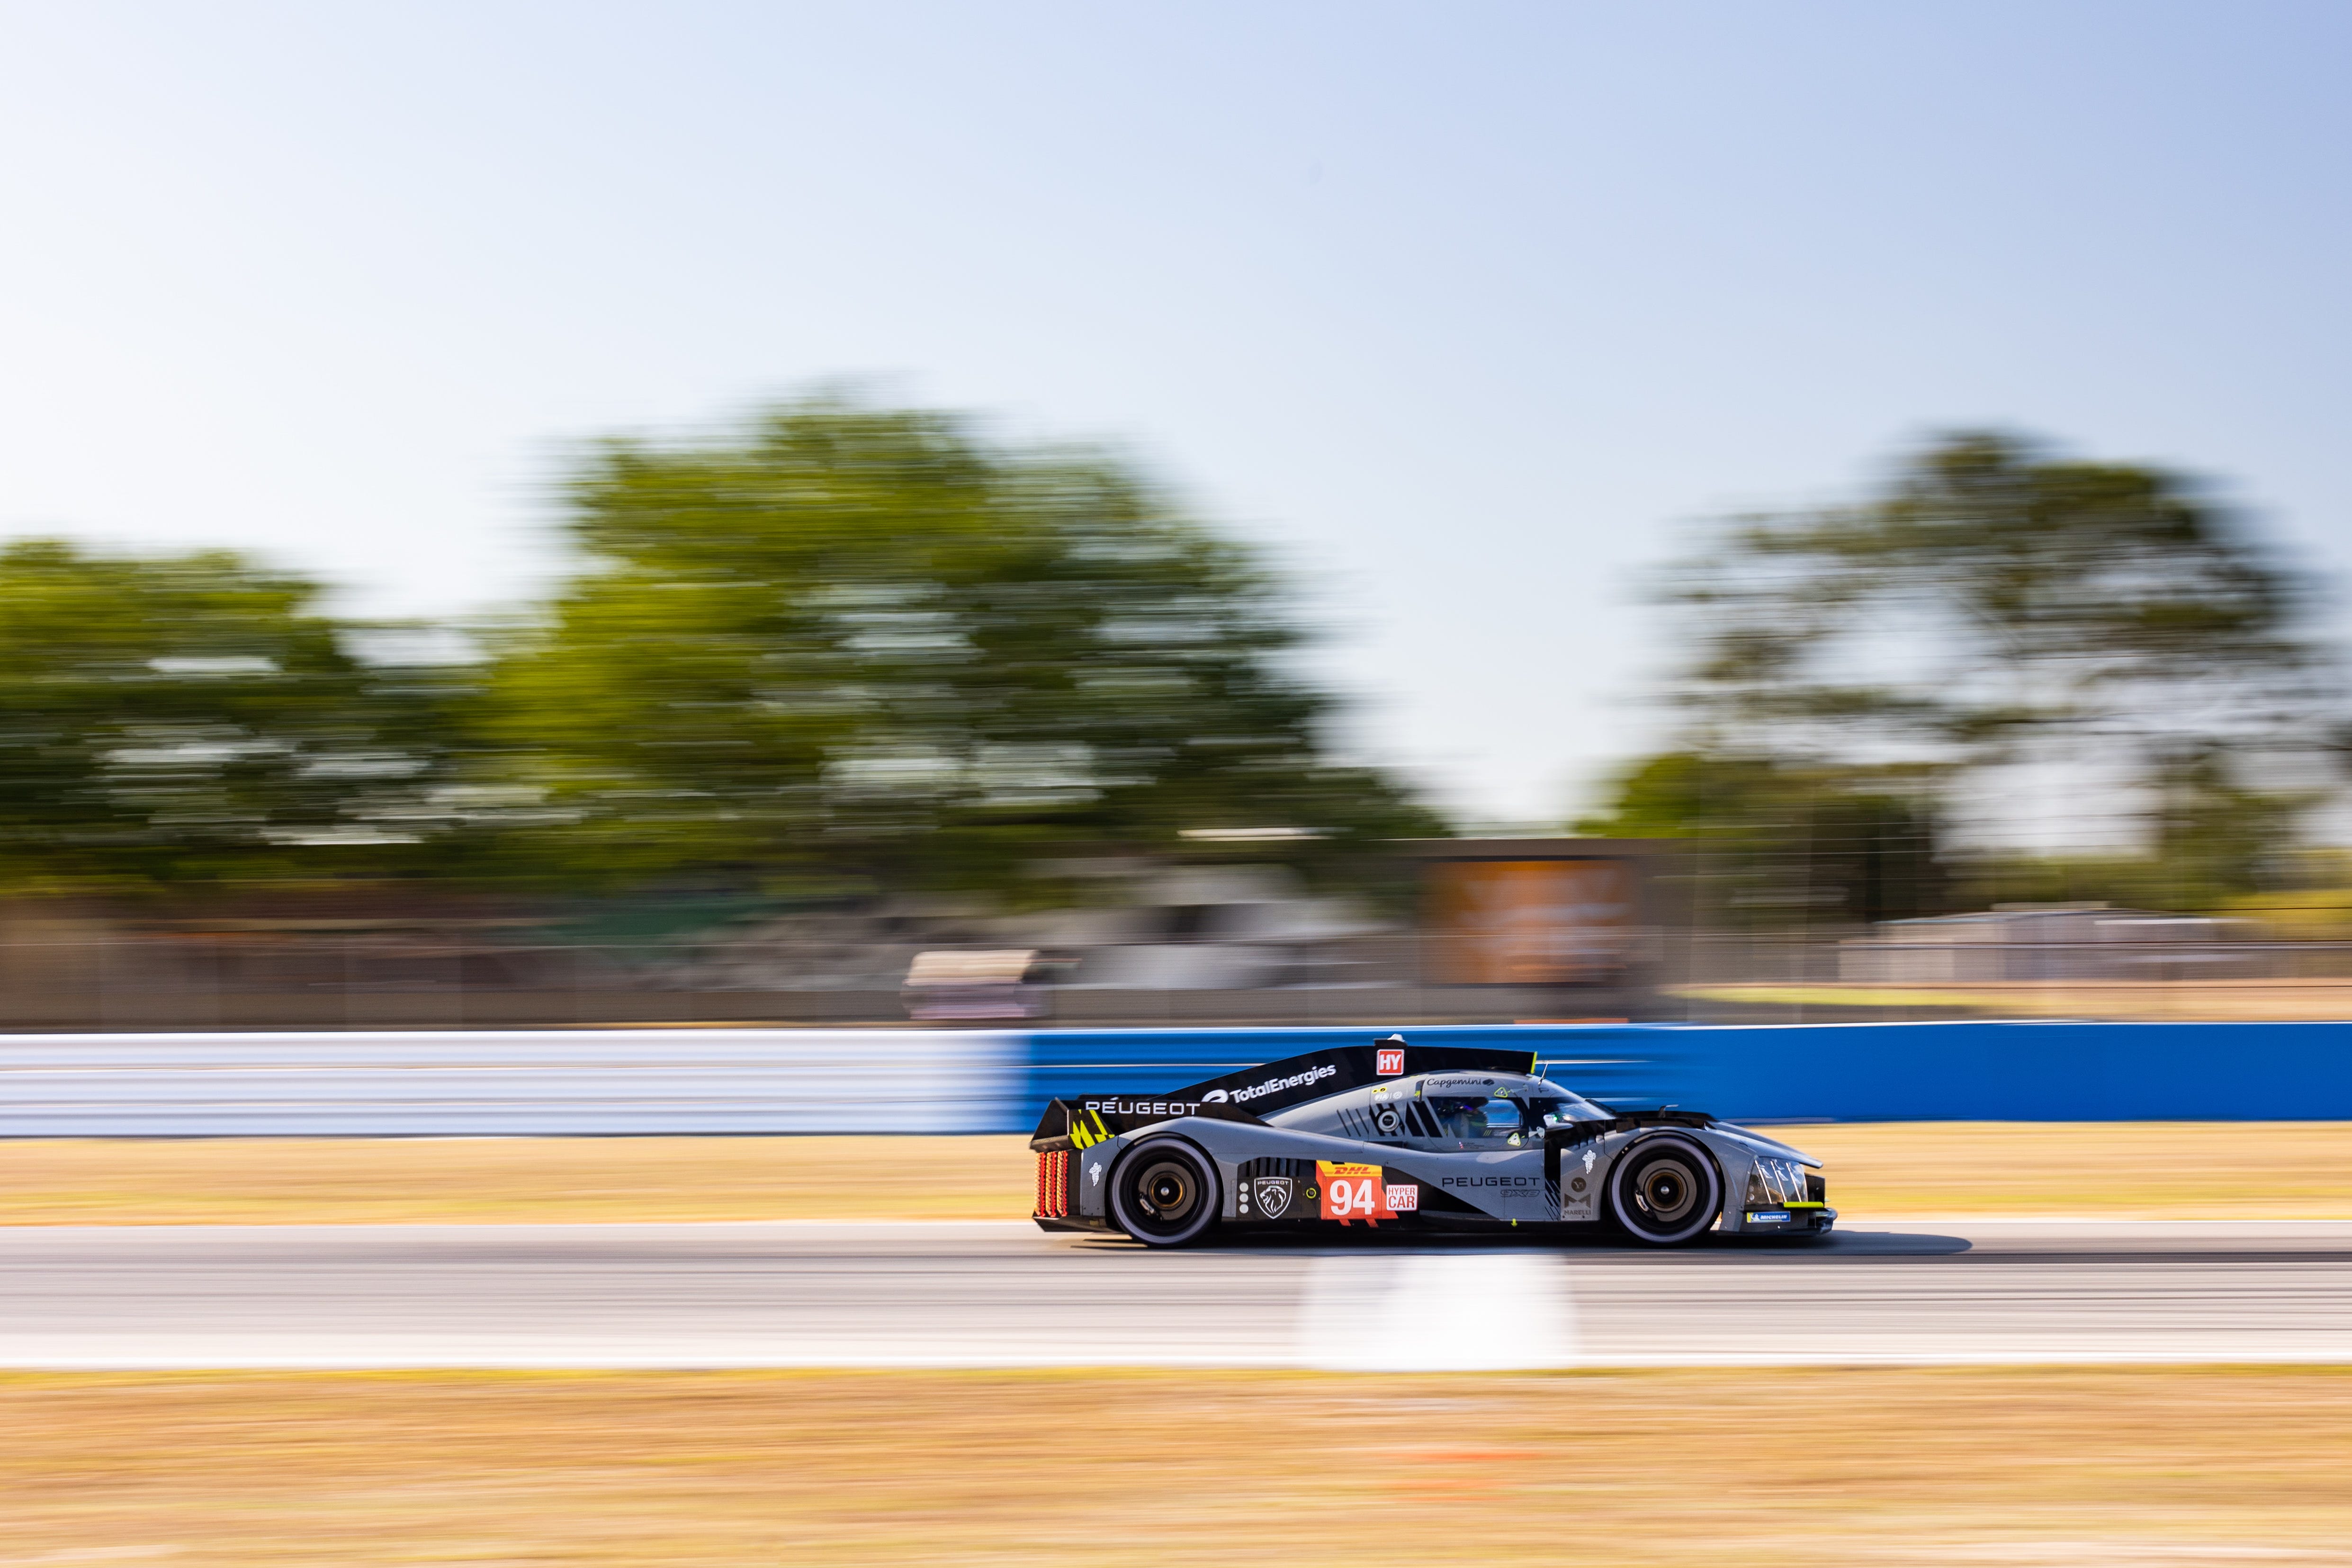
[[1964, 1467], [2143, 1170], [2157, 1170], [359, 1181], [2269, 1001]]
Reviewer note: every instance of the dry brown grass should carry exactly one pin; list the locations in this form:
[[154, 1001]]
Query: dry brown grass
[[2153, 1170], [334, 1181], [2107, 1467], [2269, 1000], [2176, 1170]]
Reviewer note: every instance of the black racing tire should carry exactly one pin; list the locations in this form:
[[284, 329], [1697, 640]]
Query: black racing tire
[[1666, 1191], [1165, 1194]]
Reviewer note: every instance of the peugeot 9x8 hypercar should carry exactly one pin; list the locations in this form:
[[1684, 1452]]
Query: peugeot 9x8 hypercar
[[1386, 1132]]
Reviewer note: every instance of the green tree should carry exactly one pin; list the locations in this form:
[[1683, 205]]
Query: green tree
[[1995, 605], [1994, 602], [863, 642], [188, 718]]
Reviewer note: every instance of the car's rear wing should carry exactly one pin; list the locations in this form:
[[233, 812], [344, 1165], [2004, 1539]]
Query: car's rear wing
[[1069, 1125], [1245, 1095]]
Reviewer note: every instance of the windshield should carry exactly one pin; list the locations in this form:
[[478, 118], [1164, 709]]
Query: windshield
[[1547, 1102], [1506, 1111]]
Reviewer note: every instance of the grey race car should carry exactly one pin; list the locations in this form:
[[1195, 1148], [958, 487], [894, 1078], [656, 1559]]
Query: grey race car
[[1387, 1132]]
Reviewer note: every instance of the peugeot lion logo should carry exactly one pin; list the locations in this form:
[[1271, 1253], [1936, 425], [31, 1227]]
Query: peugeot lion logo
[[1273, 1196]]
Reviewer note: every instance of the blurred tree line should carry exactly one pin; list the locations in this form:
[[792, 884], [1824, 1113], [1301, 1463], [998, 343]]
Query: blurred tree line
[[854, 649], [1999, 636]]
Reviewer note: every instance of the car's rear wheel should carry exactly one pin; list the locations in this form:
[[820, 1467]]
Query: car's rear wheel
[[1164, 1193], [1665, 1191]]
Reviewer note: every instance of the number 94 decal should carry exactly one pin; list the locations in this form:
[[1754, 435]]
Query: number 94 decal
[[1353, 1192]]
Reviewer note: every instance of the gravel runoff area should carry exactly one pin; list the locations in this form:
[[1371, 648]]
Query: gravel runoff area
[[2073, 1467], [2277, 1170]]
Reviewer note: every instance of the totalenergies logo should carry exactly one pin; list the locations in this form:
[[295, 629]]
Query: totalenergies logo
[[1276, 1085]]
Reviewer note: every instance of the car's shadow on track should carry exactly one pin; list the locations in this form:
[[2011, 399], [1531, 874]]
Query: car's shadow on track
[[1578, 1242]]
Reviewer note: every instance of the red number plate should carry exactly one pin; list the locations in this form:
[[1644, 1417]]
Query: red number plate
[[1353, 1192]]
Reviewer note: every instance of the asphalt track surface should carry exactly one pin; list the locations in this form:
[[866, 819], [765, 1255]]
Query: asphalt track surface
[[1005, 1294]]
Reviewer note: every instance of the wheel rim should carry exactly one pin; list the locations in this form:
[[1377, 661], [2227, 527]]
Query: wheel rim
[[1667, 1191], [1164, 1195], [1666, 1194], [1166, 1191]]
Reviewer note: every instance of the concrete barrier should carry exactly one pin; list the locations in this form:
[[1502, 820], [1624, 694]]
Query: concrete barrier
[[2005, 1070], [514, 1082], [535, 1081], [2022, 1072]]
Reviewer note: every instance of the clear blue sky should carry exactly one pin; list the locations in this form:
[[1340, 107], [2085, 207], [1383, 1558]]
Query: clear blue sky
[[1465, 311]]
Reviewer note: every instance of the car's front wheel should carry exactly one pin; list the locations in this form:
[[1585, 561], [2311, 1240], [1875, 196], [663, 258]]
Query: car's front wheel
[[1665, 1191], [1165, 1194]]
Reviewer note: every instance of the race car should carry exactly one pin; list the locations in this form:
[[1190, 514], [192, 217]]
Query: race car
[[1388, 1133]]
